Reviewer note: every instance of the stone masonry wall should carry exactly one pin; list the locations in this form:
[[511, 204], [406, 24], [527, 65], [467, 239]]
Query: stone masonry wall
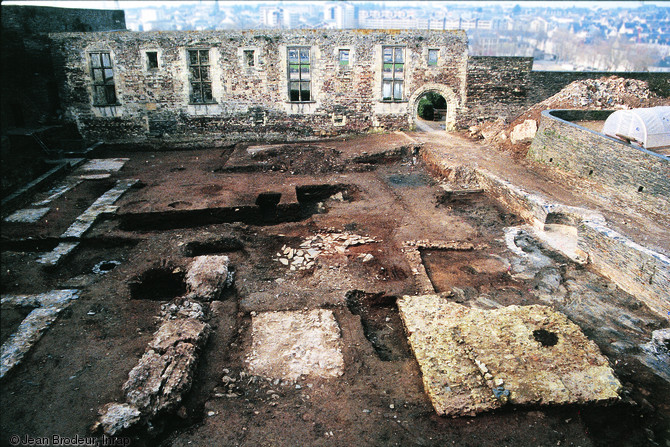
[[505, 86], [635, 174], [497, 86], [28, 92], [636, 269], [252, 102]]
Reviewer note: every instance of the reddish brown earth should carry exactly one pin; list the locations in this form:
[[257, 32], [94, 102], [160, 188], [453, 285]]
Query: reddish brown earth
[[82, 361]]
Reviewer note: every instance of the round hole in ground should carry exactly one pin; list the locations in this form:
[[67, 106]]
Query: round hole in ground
[[103, 267], [545, 337], [160, 284], [590, 171], [640, 189], [551, 160]]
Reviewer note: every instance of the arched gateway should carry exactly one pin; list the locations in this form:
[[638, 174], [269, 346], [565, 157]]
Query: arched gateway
[[446, 92]]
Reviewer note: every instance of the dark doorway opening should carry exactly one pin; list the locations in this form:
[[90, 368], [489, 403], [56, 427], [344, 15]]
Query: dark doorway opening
[[431, 112]]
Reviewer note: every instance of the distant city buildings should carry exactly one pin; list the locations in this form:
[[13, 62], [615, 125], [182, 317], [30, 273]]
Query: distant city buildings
[[272, 17], [567, 35]]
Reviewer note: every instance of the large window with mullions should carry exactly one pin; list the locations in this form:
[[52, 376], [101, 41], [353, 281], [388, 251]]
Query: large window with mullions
[[104, 93], [299, 74], [199, 76], [393, 73]]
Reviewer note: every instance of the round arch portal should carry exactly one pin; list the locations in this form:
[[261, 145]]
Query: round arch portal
[[442, 90]]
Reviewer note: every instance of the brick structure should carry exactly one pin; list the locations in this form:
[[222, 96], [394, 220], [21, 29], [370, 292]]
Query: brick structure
[[277, 85]]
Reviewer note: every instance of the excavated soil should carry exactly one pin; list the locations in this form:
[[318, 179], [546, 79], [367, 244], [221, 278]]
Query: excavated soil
[[250, 206]]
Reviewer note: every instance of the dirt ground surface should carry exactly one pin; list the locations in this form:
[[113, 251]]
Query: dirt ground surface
[[249, 202]]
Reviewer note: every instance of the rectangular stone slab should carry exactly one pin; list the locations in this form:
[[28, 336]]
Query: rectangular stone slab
[[474, 360], [289, 344]]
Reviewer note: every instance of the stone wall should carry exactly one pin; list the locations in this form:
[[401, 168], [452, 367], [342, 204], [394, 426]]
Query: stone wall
[[252, 102], [497, 86], [636, 175], [506, 86], [636, 269], [29, 92]]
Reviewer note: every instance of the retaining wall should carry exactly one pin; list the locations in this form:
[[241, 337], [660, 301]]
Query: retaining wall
[[638, 270], [636, 175]]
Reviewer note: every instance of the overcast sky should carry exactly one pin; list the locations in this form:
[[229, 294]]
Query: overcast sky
[[129, 4]]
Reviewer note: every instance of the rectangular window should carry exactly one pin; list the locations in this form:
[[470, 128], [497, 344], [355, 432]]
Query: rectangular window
[[393, 73], [344, 58], [249, 58], [152, 60], [432, 56], [201, 84], [104, 93], [299, 74]]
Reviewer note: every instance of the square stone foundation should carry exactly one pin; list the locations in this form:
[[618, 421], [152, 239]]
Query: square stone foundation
[[290, 344], [474, 360]]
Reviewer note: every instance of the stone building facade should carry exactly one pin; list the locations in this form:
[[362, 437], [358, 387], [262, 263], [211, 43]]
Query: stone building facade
[[28, 93], [277, 85]]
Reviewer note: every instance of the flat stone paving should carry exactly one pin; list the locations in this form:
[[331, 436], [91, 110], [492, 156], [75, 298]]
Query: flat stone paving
[[27, 215], [474, 360], [47, 307], [104, 164], [287, 345]]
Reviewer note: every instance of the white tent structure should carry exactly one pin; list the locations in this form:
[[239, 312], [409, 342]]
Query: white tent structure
[[649, 127]]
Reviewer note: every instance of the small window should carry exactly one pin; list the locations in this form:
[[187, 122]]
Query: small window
[[299, 74], [344, 58], [432, 56], [249, 58], [201, 83], [104, 93], [393, 73], [152, 60]]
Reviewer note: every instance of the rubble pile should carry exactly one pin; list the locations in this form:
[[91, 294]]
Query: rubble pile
[[593, 94], [321, 244]]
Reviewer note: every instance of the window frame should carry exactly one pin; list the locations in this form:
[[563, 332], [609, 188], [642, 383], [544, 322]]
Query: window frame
[[148, 59], [395, 78], [435, 51], [249, 62], [300, 81], [100, 82], [340, 51], [200, 85]]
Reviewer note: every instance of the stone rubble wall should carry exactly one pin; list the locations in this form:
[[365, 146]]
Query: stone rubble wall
[[252, 102], [165, 372], [636, 175], [636, 269], [499, 86]]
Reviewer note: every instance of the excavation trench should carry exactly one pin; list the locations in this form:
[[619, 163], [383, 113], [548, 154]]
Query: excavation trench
[[227, 405], [267, 210], [381, 323]]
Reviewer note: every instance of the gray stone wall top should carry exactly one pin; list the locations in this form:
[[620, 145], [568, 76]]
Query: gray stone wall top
[[41, 19]]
